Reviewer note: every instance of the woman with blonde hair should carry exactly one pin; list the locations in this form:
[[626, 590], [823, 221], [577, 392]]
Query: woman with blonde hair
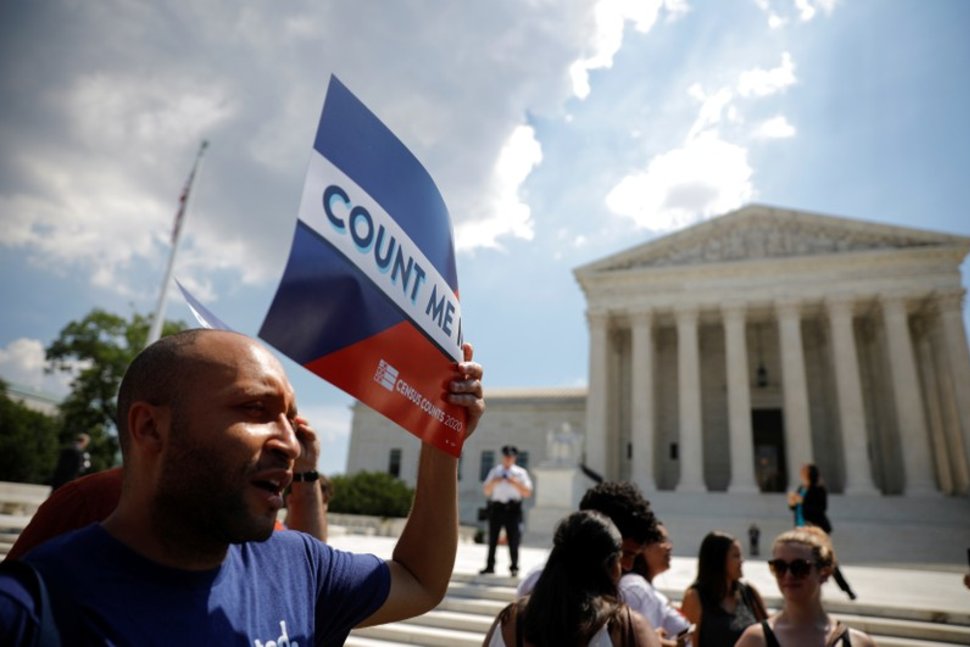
[[802, 559], [575, 603]]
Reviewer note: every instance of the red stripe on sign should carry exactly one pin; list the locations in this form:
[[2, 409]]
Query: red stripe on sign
[[403, 376]]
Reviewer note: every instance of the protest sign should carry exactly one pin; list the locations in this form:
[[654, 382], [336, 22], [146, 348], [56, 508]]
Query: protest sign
[[369, 297]]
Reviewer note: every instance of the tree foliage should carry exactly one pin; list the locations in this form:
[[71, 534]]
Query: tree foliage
[[96, 350], [28, 442], [371, 493]]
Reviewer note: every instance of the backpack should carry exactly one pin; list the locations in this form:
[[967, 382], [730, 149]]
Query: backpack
[[47, 634]]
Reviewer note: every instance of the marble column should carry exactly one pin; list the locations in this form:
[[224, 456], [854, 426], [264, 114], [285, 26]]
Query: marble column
[[852, 416], [957, 374], [739, 400], [932, 397], [643, 426], [798, 428], [913, 434], [689, 400], [597, 411]]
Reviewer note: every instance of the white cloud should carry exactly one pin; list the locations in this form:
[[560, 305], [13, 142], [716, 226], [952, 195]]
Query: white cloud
[[143, 114], [774, 128], [89, 217], [828, 6], [505, 213], [776, 22], [97, 148], [712, 108], [22, 362], [759, 82], [94, 205], [705, 177], [610, 17], [807, 9]]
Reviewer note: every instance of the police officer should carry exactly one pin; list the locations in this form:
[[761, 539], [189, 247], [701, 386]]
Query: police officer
[[505, 486]]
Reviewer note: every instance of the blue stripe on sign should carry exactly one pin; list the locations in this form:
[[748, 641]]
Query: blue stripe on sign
[[357, 143], [323, 302]]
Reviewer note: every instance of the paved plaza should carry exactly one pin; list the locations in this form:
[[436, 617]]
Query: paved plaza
[[936, 587]]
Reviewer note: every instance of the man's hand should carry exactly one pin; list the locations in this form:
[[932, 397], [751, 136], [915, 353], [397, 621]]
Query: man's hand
[[309, 445], [466, 389], [306, 505]]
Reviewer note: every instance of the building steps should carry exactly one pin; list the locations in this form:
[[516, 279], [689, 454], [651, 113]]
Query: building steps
[[472, 602]]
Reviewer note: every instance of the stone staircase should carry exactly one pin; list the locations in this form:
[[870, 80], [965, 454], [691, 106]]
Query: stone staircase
[[473, 601]]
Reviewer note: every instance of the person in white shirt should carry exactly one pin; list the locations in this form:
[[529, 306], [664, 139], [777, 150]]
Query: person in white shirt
[[637, 590], [506, 485]]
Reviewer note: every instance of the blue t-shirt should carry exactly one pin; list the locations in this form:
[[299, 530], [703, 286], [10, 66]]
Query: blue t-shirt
[[290, 589]]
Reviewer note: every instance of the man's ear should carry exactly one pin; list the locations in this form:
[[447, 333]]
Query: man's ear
[[148, 425]]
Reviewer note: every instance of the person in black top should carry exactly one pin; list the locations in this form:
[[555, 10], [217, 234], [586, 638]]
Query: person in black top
[[72, 462], [809, 504], [719, 602]]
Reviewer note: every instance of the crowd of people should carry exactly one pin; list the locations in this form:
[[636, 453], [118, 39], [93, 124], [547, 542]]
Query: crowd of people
[[596, 588], [178, 545]]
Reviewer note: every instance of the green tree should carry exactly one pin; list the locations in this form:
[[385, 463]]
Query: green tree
[[371, 493], [96, 350], [28, 442]]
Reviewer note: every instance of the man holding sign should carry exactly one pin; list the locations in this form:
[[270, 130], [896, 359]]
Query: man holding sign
[[190, 556]]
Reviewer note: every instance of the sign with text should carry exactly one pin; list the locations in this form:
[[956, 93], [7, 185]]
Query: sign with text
[[369, 297]]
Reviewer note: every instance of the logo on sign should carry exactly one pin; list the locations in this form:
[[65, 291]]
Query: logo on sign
[[386, 375]]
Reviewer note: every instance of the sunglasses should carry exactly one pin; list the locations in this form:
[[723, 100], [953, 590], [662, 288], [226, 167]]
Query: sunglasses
[[798, 567]]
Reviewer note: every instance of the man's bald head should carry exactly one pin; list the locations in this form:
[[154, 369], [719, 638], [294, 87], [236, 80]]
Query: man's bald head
[[159, 373]]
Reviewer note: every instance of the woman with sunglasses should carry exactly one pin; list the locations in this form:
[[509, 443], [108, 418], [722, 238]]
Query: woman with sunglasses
[[802, 559], [576, 600], [719, 603]]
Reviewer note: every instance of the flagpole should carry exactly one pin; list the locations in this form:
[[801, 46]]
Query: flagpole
[[155, 332]]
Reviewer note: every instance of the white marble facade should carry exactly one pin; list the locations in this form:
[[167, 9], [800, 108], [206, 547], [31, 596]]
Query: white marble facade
[[725, 355]]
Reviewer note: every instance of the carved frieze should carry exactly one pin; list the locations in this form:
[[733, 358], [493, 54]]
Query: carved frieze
[[767, 237]]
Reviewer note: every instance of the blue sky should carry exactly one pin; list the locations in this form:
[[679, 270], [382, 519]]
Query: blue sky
[[558, 133]]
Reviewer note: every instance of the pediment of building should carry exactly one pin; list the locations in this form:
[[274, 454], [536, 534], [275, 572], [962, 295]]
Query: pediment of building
[[757, 232]]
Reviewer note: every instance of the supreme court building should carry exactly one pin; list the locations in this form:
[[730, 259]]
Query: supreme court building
[[724, 356]]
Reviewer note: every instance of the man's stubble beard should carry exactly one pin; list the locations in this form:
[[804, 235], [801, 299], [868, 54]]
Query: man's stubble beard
[[200, 496]]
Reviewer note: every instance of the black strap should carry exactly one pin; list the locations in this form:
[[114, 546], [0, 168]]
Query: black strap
[[770, 639], [750, 601], [840, 631], [47, 634]]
